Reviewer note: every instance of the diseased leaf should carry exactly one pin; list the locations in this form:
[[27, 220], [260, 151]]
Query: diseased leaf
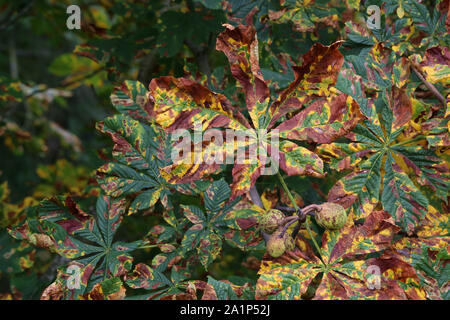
[[240, 45], [63, 227], [314, 78], [184, 104], [181, 103], [388, 165], [323, 121], [132, 99], [11, 90], [136, 168], [343, 265]]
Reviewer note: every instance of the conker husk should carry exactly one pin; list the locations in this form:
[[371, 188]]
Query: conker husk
[[277, 245], [271, 220], [332, 216]]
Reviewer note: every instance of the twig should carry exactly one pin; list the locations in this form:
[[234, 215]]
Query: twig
[[68, 84], [311, 208], [201, 56], [302, 218], [286, 226], [285, 209], [256, 199], [13, 65], [266, 236], [308, 228], [254, 196], [10, 22], [308, 209], [430, 86], [289, 220], [84, 77]]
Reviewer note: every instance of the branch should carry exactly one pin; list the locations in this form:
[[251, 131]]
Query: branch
[[430, 86], [311, 207], [254, 196], [13, 64], [10, 22], [201, 56], [286, 209], [308, 228], [146, 67], [256, 199], [83, 77], [68, 84]]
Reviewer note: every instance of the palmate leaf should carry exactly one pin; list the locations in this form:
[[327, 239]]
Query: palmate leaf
[[225, 290], [133, 99], [435, 65], [62, 226], [312, 80], [387, 167], [217, 223], [306, 15], [327, 114], [142, 168], [344, 267], [11, 90], [427, 252], [185, 104], [15, 256], [434, 272], [417, 28], [179, 288], [136, 147], [136, 167]]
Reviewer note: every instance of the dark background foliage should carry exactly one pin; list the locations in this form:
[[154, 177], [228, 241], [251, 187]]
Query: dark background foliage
[[64, 78]]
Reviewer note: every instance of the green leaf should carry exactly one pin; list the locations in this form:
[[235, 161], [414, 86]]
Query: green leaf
[[400, 195], [132, 99], [137, 166], [387, 164], [223, 290], [344, 265], [62, 226], [216, 194]]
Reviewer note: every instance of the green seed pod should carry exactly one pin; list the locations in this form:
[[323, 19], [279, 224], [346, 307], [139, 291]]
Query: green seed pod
[[332, 216], [289, 242], [271, 220], [276, 245]]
